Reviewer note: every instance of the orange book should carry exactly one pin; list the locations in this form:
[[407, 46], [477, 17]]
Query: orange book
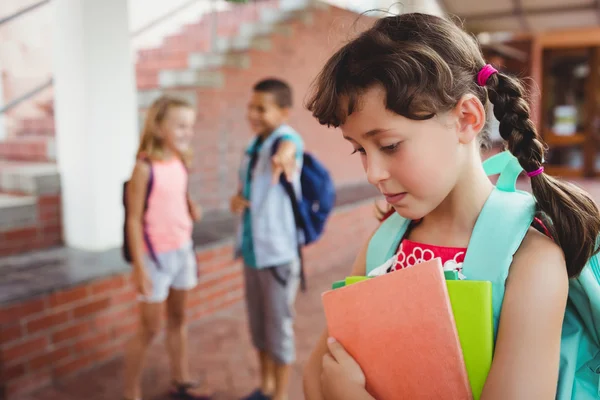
[[400, 329]]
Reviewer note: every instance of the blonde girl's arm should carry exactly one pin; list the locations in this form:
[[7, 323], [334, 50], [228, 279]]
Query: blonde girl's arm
[[195, 209], [136, 197], [526, 358], [314, 366]]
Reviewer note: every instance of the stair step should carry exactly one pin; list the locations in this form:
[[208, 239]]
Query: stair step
[[216, 60], [147, 97], [187, 78], [28, 148], [17, 211], [29, 177], [42, 126]]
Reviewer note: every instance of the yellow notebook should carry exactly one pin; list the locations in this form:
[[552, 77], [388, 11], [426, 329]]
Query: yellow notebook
[[472, 308]]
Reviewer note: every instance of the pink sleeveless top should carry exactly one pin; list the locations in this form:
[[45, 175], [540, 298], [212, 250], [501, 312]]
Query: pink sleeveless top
[[168, 221]]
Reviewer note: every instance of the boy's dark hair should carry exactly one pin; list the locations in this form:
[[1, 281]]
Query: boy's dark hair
[[278, 88], [426, 64]]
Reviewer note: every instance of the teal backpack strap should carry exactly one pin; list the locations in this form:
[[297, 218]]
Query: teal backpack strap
[[499, 230], [385, 241]]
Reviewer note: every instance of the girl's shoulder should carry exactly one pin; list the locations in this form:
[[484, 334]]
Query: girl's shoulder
[[538, 264]]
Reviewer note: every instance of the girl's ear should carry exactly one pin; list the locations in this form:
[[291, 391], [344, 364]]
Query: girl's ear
[[470, 115]]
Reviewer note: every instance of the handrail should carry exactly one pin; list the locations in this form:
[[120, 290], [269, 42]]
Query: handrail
[[162, 18], [23, 11], [15, 102]]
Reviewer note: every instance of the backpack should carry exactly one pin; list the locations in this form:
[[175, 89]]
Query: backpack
[[317, 202], [126, 249], [497, 235]]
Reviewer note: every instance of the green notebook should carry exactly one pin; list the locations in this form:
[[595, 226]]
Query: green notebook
[[472, 308]]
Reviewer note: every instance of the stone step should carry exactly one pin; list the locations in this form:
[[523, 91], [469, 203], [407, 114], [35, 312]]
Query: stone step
[[147, 97], [28, 148], [41, 126], [29, 178], [187, 78], [17, 211], [212, 60]]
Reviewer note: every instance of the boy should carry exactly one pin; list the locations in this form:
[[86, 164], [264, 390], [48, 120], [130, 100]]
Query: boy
[[268, 238]]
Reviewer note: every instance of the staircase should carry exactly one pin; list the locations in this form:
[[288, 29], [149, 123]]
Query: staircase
[[212, 76]]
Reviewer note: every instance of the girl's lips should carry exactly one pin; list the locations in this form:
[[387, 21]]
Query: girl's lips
[[393, 198]]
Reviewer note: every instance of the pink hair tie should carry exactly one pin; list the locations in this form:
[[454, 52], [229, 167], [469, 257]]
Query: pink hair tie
[[537, 172], [485, 73]]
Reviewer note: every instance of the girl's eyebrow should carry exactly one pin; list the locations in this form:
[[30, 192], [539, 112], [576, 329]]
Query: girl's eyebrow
[[369, 134]]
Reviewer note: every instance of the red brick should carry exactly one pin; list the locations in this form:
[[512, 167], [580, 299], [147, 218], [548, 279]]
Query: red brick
[[52, 229], [126, 329], [71, 332], [211, 296], [47, 322], [108, 285], [14, 372], [91, 308], [50, 358], [49, 214], [51, 200], [205, 256], [16, 312], [92, 342], [219, 280], [22, 235], [115, 315], [25, 349], [68, 296], [73, 365], [110, 351], [10, 333], [28, 383], [127, 296]]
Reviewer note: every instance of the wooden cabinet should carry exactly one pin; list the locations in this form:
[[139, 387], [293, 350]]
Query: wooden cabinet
[[565, 65], [569, 109]]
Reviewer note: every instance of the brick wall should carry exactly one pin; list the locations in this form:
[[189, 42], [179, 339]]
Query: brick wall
[[40, 229], [297, 57], [53, 337]]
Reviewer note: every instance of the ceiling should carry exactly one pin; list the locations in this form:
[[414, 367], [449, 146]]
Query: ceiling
[[526, 16]]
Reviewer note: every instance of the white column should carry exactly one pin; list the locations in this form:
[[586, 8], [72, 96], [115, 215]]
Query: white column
[[2, 119], [96, 118]]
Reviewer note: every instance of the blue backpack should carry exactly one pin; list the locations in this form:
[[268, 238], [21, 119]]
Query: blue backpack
[[317, 202], [497, 235]]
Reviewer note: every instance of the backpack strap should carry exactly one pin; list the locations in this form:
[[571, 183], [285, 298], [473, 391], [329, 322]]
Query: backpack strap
[[499, 230], [385, 241], [149, 187], [287, 186]]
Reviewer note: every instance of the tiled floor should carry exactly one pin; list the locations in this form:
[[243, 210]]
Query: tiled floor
[[222, 355]]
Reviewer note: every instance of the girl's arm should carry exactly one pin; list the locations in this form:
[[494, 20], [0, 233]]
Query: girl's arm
[[136, 197], [195, 210], [314, 366], [526, 358]]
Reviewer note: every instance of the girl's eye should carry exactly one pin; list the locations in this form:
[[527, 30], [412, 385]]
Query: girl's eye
[[360, 150], [391, 148]]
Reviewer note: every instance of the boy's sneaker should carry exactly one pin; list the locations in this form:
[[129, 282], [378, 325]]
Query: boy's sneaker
[[257, 395]]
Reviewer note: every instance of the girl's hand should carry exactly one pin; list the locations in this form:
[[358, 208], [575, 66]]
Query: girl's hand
[[195, 211], [141, 280], [342, 377]]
